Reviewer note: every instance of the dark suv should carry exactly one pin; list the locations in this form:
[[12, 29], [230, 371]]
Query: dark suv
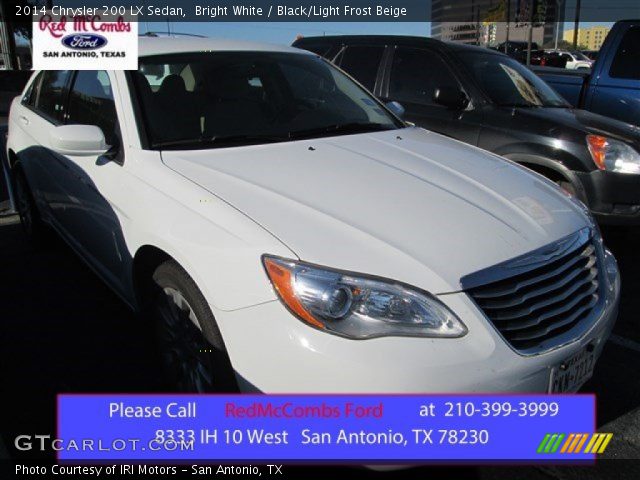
[[488, 99]]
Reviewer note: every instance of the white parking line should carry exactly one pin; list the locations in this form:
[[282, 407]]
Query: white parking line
[[625, 342]]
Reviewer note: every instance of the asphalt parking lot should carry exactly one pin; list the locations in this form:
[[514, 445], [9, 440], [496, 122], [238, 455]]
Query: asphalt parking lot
[[64, 331]]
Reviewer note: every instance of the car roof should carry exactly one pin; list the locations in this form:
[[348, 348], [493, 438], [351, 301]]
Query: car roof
[[406, 40], [167, 45]]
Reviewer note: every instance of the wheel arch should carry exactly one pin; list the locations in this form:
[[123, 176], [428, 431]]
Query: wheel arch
[[12, 157], [549, 168], [146, 259]]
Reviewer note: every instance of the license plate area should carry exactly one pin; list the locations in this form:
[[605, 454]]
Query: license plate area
[[568, 376]]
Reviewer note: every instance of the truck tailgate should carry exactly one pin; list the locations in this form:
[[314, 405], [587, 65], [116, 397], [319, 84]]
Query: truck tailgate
[[568, 83]]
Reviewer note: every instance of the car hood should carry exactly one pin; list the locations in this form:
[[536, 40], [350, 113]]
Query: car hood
[[581, 121], [407, 204]]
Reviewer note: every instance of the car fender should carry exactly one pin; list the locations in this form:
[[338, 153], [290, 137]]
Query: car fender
[[218, 246]]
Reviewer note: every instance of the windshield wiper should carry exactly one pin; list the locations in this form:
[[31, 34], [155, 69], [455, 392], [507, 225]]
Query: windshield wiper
[[221, 140], [340, 129], [225, 140]]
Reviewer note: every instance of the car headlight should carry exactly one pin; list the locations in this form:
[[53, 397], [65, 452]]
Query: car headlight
[[358, 306], [613, 155]]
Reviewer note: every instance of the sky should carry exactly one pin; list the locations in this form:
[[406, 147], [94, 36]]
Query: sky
[[285, 32]]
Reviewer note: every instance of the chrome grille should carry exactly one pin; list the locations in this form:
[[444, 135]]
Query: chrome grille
[[546, 300]]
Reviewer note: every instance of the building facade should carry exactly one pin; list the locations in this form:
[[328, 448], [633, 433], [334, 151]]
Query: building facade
[[592, 37], [484, 22]]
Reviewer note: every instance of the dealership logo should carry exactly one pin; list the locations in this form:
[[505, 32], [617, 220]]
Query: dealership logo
[[81, 41], [574, 443], [84, 42]]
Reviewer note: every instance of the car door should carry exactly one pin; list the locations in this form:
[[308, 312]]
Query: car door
[[362, 62], [414, 75], [94, 222], [41, 110]]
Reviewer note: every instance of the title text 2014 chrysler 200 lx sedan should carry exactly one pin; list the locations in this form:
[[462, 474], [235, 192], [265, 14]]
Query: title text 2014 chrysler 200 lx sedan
[[287, 233]]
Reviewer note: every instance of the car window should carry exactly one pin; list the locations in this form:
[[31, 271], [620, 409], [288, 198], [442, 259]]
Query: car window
[[29, 97], [49, 96], [362, 63], [319, 48], [580, 56], [626, 63], [156, 74], [415, 74], [91, 102], [251, 97], [509, 83]]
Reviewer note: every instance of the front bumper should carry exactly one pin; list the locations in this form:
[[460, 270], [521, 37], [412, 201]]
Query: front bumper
[[273, 352], [613, 198]]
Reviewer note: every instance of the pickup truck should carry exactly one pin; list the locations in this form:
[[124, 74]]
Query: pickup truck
[[612, 87]]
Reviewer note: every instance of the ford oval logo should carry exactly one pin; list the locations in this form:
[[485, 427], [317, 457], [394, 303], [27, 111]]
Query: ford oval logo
[[84, 41]]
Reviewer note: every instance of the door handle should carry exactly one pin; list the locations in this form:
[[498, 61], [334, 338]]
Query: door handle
[[24, 120]]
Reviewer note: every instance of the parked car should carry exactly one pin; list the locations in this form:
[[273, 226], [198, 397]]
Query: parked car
[[591, 54], [12, 83], [612, 88], [518, 50], [489, 100], [551, 60], [288, 233], [513, 47], [572, 60]]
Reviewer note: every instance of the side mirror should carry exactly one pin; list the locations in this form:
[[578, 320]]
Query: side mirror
[[80, 140], [396, 108], [451, 97]]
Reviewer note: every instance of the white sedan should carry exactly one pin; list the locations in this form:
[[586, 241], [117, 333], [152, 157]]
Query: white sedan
[[289, 233]]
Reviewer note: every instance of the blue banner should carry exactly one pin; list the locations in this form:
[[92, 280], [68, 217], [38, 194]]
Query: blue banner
[[330, 428]]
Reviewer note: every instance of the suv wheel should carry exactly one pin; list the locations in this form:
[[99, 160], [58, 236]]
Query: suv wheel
[[190, 342]]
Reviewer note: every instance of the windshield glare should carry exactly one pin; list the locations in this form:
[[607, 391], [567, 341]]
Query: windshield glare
[[508, 83], [193, 100]]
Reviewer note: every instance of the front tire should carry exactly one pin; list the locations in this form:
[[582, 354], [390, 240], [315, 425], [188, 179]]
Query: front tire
[[30, 219], [190, 342]]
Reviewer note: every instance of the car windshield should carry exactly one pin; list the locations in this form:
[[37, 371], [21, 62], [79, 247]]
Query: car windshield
[[580, 56], [206, 100], [508, 83]]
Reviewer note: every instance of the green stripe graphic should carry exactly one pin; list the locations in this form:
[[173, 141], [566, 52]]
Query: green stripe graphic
[[544, 441], [547, 448], [557, 444]]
